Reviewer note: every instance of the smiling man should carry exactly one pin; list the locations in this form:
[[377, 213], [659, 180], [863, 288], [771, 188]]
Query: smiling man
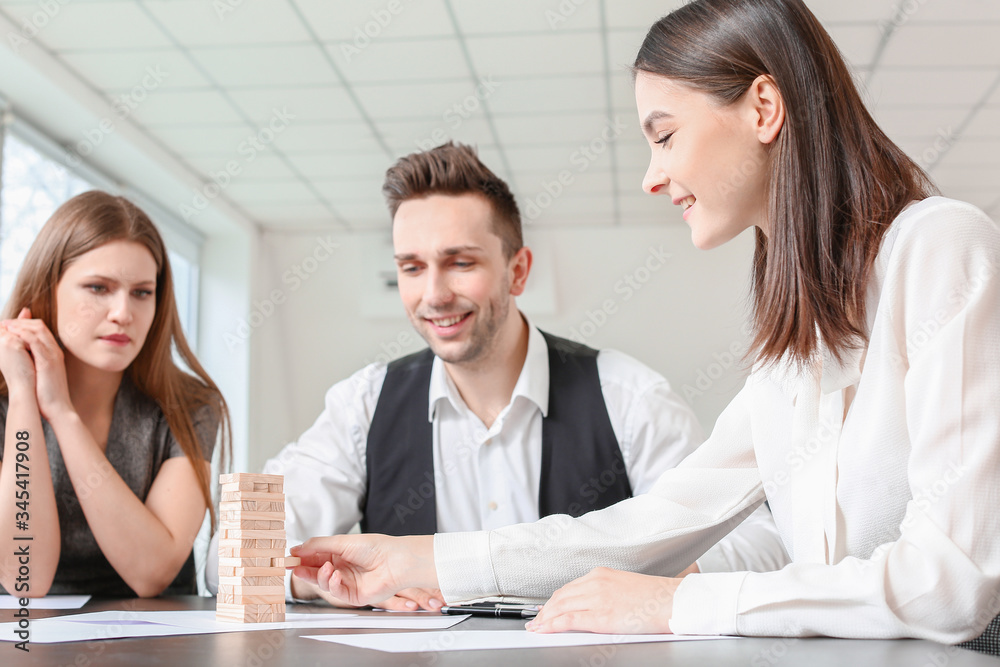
[[496, 422]]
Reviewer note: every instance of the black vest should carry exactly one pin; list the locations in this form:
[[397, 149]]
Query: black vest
[[582, 464]]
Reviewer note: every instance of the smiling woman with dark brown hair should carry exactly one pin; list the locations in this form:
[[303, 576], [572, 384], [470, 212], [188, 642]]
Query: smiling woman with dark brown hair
[[119, 469], [869, 421]]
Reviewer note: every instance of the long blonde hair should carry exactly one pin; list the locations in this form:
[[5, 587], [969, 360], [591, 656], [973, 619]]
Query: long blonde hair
[[88, 221]]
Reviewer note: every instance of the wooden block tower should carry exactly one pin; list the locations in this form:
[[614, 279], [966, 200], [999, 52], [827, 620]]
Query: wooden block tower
[[251, 549]]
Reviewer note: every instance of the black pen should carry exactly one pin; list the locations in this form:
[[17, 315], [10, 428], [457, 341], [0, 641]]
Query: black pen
[[493, 612]]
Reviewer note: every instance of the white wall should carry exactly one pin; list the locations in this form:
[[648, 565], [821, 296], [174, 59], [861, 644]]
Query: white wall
[[683, 320]]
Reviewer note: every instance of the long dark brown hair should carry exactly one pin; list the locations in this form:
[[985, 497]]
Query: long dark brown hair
[[89, 221], [836, 181]]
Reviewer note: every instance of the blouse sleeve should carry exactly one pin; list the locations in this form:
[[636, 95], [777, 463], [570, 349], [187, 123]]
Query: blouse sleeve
[[940, 580], [206, 428], [690, 508]]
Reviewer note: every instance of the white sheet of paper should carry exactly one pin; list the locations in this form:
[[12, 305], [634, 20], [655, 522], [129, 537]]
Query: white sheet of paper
[[119, 624], [47, 602], [473, 640]]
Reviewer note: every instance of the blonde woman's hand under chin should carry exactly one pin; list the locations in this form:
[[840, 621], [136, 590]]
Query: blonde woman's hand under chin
[[611, 601], [51, 388]]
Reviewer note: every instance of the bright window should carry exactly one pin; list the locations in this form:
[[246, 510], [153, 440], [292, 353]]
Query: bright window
[[33, 186]]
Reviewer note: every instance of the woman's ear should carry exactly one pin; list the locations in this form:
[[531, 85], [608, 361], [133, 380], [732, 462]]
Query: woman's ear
[[768, 108]]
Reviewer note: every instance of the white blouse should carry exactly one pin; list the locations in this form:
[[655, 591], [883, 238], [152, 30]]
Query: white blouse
[[888, 513]]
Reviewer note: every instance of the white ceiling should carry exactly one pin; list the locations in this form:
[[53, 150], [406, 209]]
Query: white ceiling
[[931, 68]]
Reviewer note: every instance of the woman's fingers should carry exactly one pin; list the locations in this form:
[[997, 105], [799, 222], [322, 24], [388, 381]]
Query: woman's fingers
[[411, 599], [606, 600], [397, 603]]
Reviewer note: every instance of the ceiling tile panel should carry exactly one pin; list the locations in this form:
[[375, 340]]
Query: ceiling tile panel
[[638, 15], [219, 140], [973, 153], [555, 94], [858, 43], [432, 100], [94, 26], [361, 23], [136, 69], [186, 107], [909, 121], [953, 46], [537, 55], [323, 137], [581, 128], [408, 136], [930, 87], [331, 165], [266, 65], [984, 125], [307, 104], [852, 11], [249, 193], [403, 61], [198, 23], [485, 17], [953, 11], [348, 188], [263, 166]]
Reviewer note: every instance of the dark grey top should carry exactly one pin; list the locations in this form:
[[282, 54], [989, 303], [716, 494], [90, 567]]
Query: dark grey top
[[139, 441]]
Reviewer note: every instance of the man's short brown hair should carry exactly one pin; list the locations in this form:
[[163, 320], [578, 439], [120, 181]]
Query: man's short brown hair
[[455, 169]]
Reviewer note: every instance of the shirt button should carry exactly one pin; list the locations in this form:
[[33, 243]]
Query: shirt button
[[493, 506]]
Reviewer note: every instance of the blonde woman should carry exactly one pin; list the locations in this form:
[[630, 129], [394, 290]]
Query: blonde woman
[[106, 443]]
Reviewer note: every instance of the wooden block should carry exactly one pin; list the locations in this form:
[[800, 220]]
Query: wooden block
[[263, 571], [248, 599], [251, 477], [231, 561], [291, 561], [236, 487], [253, 524], [252, 515], [252, 506], [261, 486], [251, 544], [231, 496], [240, 534], [250, 613], [275, 488], [230, 552], [252, 581], [240, 589]]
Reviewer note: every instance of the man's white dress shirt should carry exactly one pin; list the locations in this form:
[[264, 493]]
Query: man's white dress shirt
[[887, 503], [487, 478]]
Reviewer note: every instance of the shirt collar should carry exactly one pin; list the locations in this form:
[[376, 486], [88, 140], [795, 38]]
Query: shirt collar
[[532, 383]]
